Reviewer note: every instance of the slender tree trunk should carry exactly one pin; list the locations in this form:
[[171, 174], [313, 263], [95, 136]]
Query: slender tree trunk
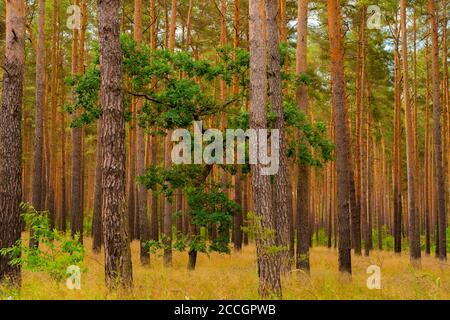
[[397, 152], [330, 204], [360, 212], [154, 139], [446, 102], [283, 20], [237, 219], [427, 156], [222, 174], [132, 172], [63, 205], [76, 207], [188, 25], [245, 207], [144, 231], [303, 183], [414, 241], [378, 193], [268, 264], [97, 212], [167, 160], [342, 135], [37, 197], [438, 162], [369, 187], [10, 136], [53, 145], [46, 167]]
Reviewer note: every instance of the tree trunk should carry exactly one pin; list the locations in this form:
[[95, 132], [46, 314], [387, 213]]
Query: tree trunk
[[438, 162], [303, 184], [37, 197], [368, 245], [360, 189], [283, 20], [281, 185], [11, 136], [154, 139], [76, 207], [268, 264], [53, 145], [342, 135], [167, 219], [427, 156], [144, 231], [132, 172], [414, 241], [63, 204], [397, 180], [118, 269], [97, 212], [237, 219]]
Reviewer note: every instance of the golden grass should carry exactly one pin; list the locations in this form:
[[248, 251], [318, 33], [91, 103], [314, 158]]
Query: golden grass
[[235, 277]]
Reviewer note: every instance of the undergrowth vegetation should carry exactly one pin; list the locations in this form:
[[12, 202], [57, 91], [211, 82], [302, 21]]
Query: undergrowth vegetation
[[233, 276]]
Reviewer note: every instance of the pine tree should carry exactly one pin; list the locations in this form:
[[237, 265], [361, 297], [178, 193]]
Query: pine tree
[[10, 135], [118, 269]]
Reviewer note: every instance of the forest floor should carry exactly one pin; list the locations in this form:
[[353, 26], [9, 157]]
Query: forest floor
[[235, 277]]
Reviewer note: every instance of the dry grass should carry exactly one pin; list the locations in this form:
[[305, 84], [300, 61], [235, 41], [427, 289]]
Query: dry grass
[[235, 277]]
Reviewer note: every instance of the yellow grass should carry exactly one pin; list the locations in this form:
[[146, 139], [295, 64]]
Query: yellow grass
[[235, 277]]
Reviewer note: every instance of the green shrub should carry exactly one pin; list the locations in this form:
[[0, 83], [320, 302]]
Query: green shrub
[[54, 254]]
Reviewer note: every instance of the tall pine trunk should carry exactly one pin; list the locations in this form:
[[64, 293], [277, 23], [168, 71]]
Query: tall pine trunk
[[76, 207], [427, 156], [37, 197], [167, 218], [414, 241], [342, 135], [154, 139], [397, 176], [268, 263], [10, 136], [144, 232], [281, 185], [303, 184], [118, 269], [238, 217], [438, 162], [53, 145]]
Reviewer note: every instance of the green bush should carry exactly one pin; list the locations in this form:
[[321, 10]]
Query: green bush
[[54, 254]]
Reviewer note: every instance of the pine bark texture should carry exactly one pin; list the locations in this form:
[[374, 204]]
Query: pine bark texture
[[268, 263], [10, 136], [282, 201], [118, 269], [342, 135]]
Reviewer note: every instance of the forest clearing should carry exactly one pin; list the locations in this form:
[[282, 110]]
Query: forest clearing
[[224, 149]]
